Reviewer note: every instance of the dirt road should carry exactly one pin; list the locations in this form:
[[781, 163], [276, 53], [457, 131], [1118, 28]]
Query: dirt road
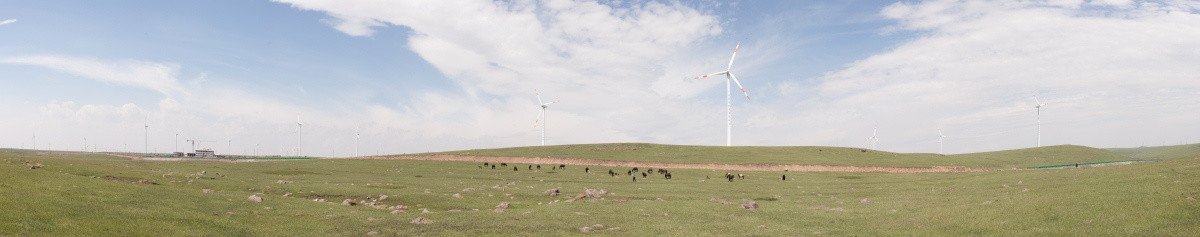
[[741, 167]]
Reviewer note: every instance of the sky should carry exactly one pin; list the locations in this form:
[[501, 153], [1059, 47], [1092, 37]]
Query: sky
[[420, 76]]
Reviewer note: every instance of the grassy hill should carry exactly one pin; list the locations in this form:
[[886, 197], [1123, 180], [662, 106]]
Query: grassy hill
[[98, 195], [809, 155], [1160, 152]]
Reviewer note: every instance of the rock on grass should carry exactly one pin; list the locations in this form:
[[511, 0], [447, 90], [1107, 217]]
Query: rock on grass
[[255, 198], [750, 205], [421, 220]]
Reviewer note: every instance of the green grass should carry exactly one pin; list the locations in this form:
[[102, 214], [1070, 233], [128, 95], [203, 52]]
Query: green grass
[[1160, 152], [1022, 158], [86, 194]]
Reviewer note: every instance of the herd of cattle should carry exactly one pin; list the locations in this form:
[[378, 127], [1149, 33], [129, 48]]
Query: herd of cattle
[[633, 173]]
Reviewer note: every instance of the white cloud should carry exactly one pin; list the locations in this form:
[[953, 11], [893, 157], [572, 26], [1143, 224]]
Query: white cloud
[[976, 64], [6, 22], [599, 59], [158, 77]]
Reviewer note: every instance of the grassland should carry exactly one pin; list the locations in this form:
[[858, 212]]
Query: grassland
[[94, 194], [834, 156]]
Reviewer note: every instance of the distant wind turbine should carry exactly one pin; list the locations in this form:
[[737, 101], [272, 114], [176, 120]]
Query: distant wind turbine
[[874, 138], [146, 139], [541, 118], [357, 134], [299, 137], [940, 136], [728, 73], [1039, 118]]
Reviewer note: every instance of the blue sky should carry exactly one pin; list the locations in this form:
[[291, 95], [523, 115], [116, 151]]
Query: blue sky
[[414, 76]]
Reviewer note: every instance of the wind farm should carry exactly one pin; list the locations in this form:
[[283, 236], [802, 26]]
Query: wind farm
[[412, 118]]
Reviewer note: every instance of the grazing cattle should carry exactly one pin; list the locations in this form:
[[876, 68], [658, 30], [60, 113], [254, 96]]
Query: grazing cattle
[[587, 170], [562, 166], [485, 164], [729, 176], [667, 175], [611, 173], [514, 168], [503, 164], [493, 166], [741, 176], [530, 167], [480, 167], [783, 177], [539, 167], [643, 174], [634, 178], [635, 169], [650, 170], [630, 172]]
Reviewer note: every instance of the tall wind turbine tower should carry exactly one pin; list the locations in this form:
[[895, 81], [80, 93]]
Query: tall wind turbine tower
[[299, 137], [874, 138], [357, 134], [728, 73], [1039, 118], [541, 118], [940, 136], [146, 139]]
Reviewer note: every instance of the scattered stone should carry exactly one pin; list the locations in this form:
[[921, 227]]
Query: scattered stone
[[424, 210], [468, 189], [421, 220], [35, 166], [1020, 182], [552, 192], [1025, 190], [283, 182], [254, 198], [598, 226], [721, 201], [750, 205], [1191, 198], [287, 195], [371, 219], [864, 201], [1005, 186], [383, 197], [659, 199], [397, 211], [988, 202], [349, 202], [298, 214], [454, 210], [502, 205], [580, 213], [586, 229], [762, 226], [592, 193], [893, 210], [457, 195], [373, 232], [206, 190]]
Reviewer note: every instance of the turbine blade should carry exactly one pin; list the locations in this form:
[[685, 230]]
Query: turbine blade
[[711, 74], [1035, 98], [538, 120], [551, 102], [539, 96], [739, 84], [735, 49]]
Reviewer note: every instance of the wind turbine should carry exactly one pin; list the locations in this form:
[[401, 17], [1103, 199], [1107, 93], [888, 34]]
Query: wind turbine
[[357, 134], [874, 138], [299, 141], [541, 118], [1039, 118], [728, 73], [940, 136], [146, 139]]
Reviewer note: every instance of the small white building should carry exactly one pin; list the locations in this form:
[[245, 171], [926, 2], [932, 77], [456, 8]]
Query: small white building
[[206, 153]]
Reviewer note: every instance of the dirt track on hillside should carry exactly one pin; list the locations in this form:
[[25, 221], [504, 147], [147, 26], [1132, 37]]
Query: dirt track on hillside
[[741, 167]]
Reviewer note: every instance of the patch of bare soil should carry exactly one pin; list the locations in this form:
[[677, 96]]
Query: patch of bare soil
[[742, 167]]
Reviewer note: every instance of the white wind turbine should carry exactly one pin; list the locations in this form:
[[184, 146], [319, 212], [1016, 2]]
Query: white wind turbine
[[940, 137], [728, 73], [299, 141], [874, 138], [1039, 118], [541, 118], [357, 134]]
